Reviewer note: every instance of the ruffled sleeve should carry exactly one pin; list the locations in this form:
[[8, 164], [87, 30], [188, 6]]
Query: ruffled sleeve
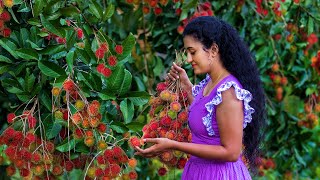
[[241, 94], [197, 88]]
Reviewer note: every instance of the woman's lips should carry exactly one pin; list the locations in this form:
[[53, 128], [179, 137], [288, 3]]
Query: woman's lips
[[193, 65]]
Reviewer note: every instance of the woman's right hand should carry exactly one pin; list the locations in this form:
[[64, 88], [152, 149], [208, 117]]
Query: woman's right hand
[[176, 72]]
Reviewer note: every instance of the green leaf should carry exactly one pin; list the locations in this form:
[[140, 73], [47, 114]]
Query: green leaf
[[46, 100], [27, 54], [126, 83], [14, 90], [135, 126], [54, 130], [138, 97], [9, 46], [69, 11], [188, 4], [38, 6], [30, 82], [95, 9], [23, 8], [67, 146], [4, 68], [50, 69], [108, 12], [293, 104], [158, 69], [106, 96], [70, 59], [5, 59], [310, 25], [13, 15], [127, 109], [53, 49], [127, 44], [49, 26], [115, 80], [299, 158], [119, 127]]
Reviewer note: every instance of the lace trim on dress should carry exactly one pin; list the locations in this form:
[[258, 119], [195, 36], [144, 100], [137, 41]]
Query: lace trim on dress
[[197, 88], [241, 94]]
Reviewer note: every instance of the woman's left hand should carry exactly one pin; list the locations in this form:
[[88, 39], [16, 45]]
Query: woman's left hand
[[160, 145]]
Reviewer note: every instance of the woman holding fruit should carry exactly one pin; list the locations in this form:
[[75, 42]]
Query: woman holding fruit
[[227, 111]]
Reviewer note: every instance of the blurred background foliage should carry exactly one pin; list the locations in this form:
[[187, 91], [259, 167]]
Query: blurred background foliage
[[282, 35]]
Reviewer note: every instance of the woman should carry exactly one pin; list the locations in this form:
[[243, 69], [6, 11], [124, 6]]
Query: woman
[[227, 112]]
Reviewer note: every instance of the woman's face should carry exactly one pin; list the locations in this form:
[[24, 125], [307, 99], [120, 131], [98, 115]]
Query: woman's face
[[196, 55]]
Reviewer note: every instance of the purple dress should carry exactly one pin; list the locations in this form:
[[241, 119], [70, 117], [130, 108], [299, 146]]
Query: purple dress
[[204, 129]]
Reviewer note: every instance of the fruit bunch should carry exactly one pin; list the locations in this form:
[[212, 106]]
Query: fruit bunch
[[75, 138], [203, 9], [148, 5], [310, 117], [5, 17], [279, 80], [169, 117], [315, 62]]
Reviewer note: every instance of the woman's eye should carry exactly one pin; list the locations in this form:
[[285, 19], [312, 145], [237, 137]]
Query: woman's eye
[[192, 53]]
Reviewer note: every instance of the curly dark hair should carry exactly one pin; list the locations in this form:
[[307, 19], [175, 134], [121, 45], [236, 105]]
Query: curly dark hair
[[238, 60]]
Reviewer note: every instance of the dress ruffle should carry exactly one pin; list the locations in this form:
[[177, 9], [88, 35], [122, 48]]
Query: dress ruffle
[[241, 94], [197, 88]]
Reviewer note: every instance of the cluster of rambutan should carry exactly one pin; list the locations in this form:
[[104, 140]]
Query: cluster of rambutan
[[265, 164], [278, 80], [203, 9], [112, 163], [148, 5], [169, 117], [315, 62], [4, 18], [310, 119], [103, 53], [28, 153], [85, 124]]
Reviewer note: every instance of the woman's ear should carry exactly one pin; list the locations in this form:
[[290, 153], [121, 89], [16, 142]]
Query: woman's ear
[[214, 50]]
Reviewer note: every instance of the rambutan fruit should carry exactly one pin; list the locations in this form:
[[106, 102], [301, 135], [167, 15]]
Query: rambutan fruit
[[85, 123], [101, 160], [175, 106], [112, 60], [183, 116], [68, 85], [19, 163], [79, 104], [162, 132], [55, 91], [49, 146], [166, 156], [100, 68], [104, 46], [173, 162], [134, 141], [37, 169], [100, 53], [77, 118], [10, 170], [102, 145], [119, 49], [170, 134], [181, 163], [58, 115], [102, 128], [133, 175], [153, 125], [57, 170], [174, 97], [108, 154], [91, 172], [79, 33], [36, 158], [157, 10], [177, 153], [93, 109], [172, 114], [10, 117], [165, 95], [68, 166], [24, 172], [6, 32], [162, 171], [32, 121], [132, 163], [176, 125], [5, 16], [165, 121], [106, 72], [89, 141], [8, 3], [89, 133], [117, 151], [94, 121], [115, 170], [161, 86], [78, 133], [99, 172]]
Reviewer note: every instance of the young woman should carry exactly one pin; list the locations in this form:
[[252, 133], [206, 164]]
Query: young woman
[[227, 112]]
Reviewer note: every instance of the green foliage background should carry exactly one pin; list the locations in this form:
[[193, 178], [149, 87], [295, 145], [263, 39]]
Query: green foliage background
[[30, 65]]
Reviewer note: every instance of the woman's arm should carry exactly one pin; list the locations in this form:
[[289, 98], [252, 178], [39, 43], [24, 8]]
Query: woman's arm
[[229, 116]]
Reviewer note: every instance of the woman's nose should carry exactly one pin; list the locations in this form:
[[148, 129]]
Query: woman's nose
[[189, 58]]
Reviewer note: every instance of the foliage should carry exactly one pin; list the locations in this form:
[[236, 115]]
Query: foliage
[[41, 48]]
